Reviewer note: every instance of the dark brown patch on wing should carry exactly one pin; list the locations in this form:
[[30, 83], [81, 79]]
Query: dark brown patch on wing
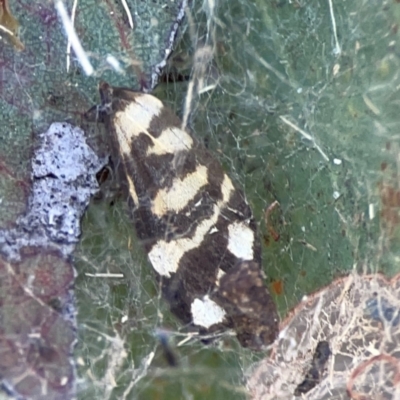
[[166, 119], [123, 96], [243, 295]]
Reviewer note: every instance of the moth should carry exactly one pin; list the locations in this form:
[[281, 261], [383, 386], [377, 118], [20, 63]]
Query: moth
[[195, 225]]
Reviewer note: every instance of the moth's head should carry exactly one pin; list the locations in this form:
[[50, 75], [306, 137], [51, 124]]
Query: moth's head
[[106, 95], [99, 112], [112, 100]]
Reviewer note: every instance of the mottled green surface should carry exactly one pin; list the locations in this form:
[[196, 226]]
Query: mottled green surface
[[275, 59], [40, 84]]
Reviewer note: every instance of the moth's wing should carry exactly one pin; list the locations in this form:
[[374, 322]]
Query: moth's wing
[[243, 294]]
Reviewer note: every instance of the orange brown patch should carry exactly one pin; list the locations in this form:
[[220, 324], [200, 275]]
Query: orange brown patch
[[390, 212], [277, 287]]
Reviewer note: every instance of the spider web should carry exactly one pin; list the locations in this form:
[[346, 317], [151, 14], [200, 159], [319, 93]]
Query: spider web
[[298, 100]]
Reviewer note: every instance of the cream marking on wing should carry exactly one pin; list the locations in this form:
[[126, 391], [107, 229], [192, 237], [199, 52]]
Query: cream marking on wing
[[136, 118], [132, 190], [198, 203], [124, 133], [171, 140], [220, 274], [149, 104], [241, 240], [206, 312], [165, 256], [180, 193], [227, 189], [138, 114]]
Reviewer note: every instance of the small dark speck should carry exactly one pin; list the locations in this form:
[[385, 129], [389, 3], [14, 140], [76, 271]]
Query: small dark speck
[[48, 354], [168, 352], [322, 353], [313, 376]]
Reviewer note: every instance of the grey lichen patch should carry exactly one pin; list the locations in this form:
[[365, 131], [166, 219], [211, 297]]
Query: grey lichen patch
[[64, 171], [63, 177], [37, 313]]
